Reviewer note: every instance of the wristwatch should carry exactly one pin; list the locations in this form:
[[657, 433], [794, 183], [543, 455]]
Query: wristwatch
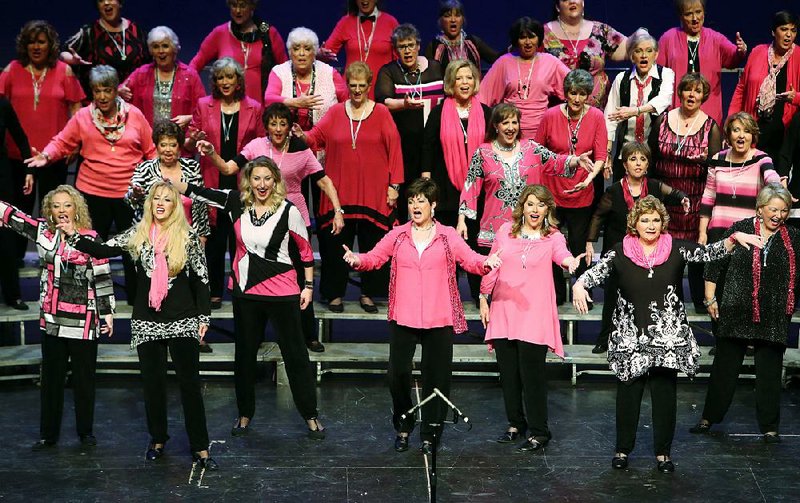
[[339, 210]]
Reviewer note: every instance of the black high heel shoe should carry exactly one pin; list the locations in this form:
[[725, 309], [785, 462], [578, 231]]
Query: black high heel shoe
[[665, 466], [619, 462], [401, 443], [701, 428], [206, 463], [316, 433], [240, 430], [153, 453]]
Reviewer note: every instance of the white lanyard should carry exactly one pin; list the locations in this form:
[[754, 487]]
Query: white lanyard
[[354, 134]]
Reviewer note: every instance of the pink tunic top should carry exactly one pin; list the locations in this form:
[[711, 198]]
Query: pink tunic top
[[556, 134], [187, 88], [502, 183], [523, 296], [294, 167], [60, 89], [221, 43], [275, 94], [361, 175], [106, 169], [715, 52], [504, 81], [419, 292], [349, 31]]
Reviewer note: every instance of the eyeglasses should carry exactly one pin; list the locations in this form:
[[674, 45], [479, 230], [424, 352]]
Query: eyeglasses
[[640, 51], [406, 47]]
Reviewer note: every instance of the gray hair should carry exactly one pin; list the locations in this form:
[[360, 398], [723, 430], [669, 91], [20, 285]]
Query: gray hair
[[772, 191], [403, 32], [579, 80], [227, 65], [639, 37], [160, 33], [301, 35], [103, 76]]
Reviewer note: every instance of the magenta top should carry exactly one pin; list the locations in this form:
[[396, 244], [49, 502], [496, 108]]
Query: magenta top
[[60, 89], [221, 43], [293, 165], [523, 304], [187, 88], [508, 75], [422, 290], [714, 52]]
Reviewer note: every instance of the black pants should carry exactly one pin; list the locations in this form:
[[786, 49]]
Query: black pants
[[694, 273], [9, 272], [437, 360], [220, 240], [725, 370], [250, 320], [524, 381], [185, 355], [609, 304], [56, 352], [307, 319], [335, 271], [106, 211], [576, 221], [663, 385]]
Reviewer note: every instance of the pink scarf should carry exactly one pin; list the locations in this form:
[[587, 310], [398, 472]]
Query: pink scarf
[[632, 249], [159, 282], [452, 137], [767, 92], [626, 191]]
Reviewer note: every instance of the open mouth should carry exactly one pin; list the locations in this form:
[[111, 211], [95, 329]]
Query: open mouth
[[160, 211], [416, 215], [262, 192], [63, 219]]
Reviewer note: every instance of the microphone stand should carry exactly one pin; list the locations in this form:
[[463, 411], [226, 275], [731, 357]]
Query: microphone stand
[[432, 476]]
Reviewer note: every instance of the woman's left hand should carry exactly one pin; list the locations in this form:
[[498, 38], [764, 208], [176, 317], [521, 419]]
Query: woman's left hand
[[686, 204], [107, 327], [306, 297], [202, 329], [580, 298], [580, 185], [788, 96], [67, 228], [182, 120], [623, 113], [748, 239], [391, 197], [338, 223], [494, 261], [27, 187], [585, 161]]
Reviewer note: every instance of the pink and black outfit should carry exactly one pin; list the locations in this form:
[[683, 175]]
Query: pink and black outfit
[[709, 55], [76, 291], [257, 51], [529, 85], [424, 307], [523, 323], [264, 287]]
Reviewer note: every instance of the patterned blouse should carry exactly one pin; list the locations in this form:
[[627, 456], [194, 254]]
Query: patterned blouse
[[149, 172], [75, 289], [589, 54], [649, 322]]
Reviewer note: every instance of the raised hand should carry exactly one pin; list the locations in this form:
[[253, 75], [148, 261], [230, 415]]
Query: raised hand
[[740, 45], [205, 147], [686, 204]]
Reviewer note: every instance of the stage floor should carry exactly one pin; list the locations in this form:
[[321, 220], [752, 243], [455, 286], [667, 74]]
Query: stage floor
[[357, 462]]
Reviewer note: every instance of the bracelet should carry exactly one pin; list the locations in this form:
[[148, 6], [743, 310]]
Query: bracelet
[[395, 187], [712, 300], [45, 155], [638, 111], [732, 239], [309, 284], [339, 210], [484, 296]]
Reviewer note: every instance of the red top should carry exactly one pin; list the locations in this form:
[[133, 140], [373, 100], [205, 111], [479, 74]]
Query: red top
[[60, 89], [714, 51], [221, 43], [106, 169], [349, 30], [555, 134], [755, 71], [187, 88], [362, 175]]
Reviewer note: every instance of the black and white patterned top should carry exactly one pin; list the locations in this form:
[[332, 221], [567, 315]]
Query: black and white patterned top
[[649, 323], [148, 173], [188, 302]]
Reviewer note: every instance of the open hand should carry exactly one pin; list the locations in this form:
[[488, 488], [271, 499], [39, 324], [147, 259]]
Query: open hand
[[352, 259]]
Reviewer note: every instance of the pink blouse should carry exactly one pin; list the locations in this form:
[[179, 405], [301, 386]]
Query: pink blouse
[[187, 88]]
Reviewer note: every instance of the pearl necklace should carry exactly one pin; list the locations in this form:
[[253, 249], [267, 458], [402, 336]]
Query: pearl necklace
[[503, 148]]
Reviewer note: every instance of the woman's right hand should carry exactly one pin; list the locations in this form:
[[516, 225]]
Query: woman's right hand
[[713, 310], [67, 227], [297, 131], [352, 259], [309, 101], [326, 55], [484, 308], [39, 159], [124, 92], [461, 228], [108, 326], [580, 298], [205, 147], [589, 253]]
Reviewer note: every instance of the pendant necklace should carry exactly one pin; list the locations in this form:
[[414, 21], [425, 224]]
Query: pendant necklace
[[37, 85], [226, 125], [573, 133], [693, 53], [679, 146], [121, 50], [522, 89]]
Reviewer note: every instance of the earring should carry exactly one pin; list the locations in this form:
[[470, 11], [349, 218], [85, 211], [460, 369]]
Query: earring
[[546, 222], [433, 212], [77, 218]]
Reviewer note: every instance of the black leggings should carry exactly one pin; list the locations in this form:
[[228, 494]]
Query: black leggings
[[524, 380], [250, 320], [663, 385], [335, 272]]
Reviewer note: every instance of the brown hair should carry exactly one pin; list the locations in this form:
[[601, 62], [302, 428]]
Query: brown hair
[[748, 122], [647, 204], [500, 113], [636, 147], [544, 195], [692, 80], [29, 32]]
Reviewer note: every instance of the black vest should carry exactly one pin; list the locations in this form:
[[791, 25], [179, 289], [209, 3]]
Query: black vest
[[625, 99]]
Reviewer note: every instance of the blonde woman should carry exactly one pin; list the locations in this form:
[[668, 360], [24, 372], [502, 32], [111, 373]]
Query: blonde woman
[[72, 325], [264, 284], [172, 316]]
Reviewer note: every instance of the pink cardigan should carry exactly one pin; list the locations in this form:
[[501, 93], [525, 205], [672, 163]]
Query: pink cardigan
[[755, 71], [715, 52], [106, 169], [422, 290], [186, 90]]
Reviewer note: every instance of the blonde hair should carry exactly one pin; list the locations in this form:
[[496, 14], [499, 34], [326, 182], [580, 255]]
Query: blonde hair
[[82, 219], [246, 189], [176, 228], [647, 204], [544, 195], [450, 75]]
